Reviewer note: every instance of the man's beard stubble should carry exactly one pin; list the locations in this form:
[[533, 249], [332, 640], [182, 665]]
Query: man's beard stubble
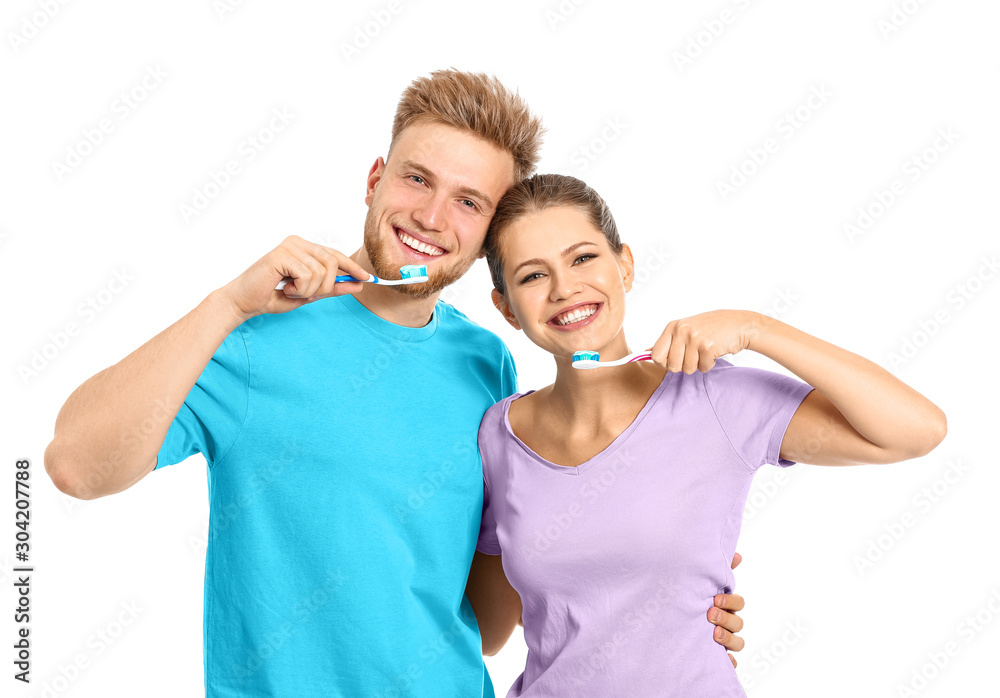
[[377, 248]]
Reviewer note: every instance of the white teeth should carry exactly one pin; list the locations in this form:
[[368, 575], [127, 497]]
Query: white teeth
[[576, 315], [419, 246]]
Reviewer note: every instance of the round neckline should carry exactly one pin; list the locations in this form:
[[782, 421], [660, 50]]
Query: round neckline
[[391, 329], [597, 458]]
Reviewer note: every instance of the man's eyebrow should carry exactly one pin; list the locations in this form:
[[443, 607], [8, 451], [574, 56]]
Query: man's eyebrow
[[464, 191], [564, 253]]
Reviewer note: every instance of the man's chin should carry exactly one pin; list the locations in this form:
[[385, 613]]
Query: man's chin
[[415, 291], [435, 284], [439, 280]]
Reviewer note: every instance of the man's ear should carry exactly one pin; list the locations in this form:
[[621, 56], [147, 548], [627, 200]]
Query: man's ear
[[374, 175], [501, 304], [626, 262]]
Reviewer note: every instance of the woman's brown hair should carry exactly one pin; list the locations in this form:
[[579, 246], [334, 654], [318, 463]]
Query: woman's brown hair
[[536, 194]]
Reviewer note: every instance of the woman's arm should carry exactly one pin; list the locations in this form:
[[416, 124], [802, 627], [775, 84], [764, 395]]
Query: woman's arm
[[494, 601], [858, 412]]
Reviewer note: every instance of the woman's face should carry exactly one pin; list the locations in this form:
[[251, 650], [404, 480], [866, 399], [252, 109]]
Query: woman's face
[[565, 286]]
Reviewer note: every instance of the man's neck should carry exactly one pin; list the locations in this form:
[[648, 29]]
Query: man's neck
[[391, 305]]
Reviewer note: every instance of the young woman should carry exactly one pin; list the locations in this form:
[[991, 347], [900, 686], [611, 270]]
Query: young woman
[[615, 495]]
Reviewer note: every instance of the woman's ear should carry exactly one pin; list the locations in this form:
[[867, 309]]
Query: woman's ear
[[627, 265], [374, 175], [501, 304]]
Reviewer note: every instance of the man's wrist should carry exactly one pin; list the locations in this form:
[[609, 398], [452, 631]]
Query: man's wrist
[[221, 304]]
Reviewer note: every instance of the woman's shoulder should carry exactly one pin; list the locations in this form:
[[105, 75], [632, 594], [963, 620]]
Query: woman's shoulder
[[496, 411], [524, 406], [512, 408]]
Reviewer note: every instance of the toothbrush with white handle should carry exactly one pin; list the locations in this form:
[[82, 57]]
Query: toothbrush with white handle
[[592, 359], [409, 274]]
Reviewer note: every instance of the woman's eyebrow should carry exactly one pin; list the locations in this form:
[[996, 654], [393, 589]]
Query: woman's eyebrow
[[564, 253]]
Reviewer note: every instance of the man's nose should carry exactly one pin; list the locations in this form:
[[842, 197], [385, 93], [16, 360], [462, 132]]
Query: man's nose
[[432, 213]]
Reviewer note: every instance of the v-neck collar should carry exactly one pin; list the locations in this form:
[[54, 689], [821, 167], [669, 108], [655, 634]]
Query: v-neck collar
[[608, 451]]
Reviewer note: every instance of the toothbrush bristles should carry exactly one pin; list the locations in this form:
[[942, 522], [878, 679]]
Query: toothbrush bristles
[[413, 271]]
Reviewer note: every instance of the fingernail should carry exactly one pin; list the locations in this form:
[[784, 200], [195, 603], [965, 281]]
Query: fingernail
[[718, 601], [716, 615]]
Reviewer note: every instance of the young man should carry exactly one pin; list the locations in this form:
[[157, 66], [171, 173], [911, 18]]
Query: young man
[[345, 487]]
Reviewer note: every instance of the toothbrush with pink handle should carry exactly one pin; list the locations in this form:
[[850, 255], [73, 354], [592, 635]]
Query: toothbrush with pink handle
[[591, 359]]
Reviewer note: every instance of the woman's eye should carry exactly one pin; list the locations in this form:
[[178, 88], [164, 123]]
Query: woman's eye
[[470, 204], [584, 257], [531, 277]]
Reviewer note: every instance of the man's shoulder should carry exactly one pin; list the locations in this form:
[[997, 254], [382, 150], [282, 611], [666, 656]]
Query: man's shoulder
[[452, 319]]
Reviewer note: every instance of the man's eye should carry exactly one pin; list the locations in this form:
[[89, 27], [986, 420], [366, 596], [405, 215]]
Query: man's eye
[[470, 204], [417, 178], [531, 277]]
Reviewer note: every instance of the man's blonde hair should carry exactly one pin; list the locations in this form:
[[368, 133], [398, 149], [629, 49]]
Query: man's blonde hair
[[476, 103]]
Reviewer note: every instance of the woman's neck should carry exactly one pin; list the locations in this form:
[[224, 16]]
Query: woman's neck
[[591, 399]]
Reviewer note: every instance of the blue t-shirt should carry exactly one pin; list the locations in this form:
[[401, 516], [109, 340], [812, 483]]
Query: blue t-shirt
[[345, 496]]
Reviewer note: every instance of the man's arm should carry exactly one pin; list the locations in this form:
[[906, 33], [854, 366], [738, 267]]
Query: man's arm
[[498, 610], [111, 428], [109, 431], [494, 601]]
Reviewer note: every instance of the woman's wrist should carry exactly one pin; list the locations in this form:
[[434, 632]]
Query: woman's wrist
[[760, 330]]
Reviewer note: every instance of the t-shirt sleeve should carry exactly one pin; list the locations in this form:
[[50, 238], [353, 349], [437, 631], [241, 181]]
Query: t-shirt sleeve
[[212, 416], [488, 542], [508, 373], [754, 407]]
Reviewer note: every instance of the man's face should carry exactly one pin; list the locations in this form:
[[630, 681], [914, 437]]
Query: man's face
[[432, 202]]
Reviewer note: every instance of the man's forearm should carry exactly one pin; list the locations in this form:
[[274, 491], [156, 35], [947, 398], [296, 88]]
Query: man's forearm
[[109, 431], [494, 601]]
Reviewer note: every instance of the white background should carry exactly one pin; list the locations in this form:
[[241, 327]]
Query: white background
[[777, 244]]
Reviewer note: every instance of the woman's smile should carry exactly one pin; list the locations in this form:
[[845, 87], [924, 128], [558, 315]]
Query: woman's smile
[[575, 316]]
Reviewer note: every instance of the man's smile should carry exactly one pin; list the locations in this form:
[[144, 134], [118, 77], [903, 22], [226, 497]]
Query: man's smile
[[417, 244]]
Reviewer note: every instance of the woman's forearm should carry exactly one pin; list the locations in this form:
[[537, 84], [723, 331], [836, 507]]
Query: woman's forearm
[[879, 406]]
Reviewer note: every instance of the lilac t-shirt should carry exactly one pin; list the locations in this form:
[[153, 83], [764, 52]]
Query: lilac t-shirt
[[617, 560]]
